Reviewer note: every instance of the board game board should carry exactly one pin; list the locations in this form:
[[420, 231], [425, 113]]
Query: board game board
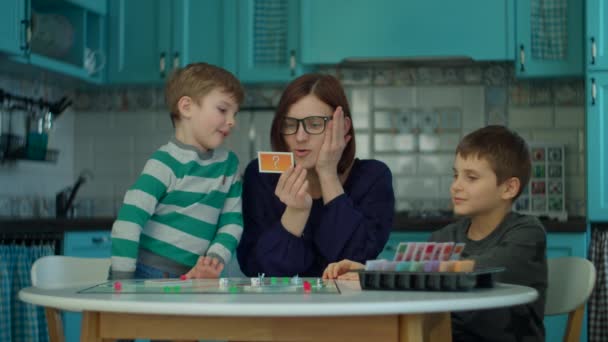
[[268, 285]]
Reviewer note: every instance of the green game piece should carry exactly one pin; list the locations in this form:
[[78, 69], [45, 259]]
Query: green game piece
[[273, 280], [166, 289], [285, 280], [177, 289], [234, 289]]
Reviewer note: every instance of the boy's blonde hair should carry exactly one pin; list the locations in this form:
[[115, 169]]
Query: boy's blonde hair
[[196, 80], [505, 151]]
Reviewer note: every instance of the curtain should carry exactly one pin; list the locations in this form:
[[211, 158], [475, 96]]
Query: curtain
[[20, 321]]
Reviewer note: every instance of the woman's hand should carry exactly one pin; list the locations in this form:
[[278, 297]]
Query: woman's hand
[[333, 145], [292, 189], [340, 270]]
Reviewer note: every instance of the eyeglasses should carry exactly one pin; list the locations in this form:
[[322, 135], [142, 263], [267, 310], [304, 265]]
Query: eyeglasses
[[311, 124]]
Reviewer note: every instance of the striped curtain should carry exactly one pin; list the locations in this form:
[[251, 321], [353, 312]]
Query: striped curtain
[[598, 302], [20, 321]]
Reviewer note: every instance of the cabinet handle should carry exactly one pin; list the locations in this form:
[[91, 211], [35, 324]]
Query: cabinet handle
[[176, 60], [98, 240], [162, 65], [522, 58], [292, 62], [593, 50], [593, 91], [27, 30]]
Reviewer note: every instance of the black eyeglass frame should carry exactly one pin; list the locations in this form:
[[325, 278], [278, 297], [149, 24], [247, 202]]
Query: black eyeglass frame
[[303, 122]]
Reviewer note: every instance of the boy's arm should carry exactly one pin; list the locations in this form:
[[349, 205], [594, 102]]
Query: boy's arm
[[230, 222], [138, 206], [522, 252]]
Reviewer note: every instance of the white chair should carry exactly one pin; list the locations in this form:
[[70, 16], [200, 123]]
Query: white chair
[[570, 283], [56, 271]]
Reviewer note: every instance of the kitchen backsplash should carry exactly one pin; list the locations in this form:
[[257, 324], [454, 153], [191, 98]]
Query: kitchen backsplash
[[409, 117]]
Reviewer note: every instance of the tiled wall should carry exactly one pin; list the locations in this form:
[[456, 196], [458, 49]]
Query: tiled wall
[[409, 117]]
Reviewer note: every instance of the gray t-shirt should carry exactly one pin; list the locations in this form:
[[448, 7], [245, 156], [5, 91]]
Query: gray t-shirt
[[519, 244]]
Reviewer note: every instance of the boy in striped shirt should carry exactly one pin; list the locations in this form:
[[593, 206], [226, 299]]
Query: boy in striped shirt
[[183, 214]]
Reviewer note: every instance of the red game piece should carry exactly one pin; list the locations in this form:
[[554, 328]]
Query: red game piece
[[307, 286], [182, 277], [117, 286]]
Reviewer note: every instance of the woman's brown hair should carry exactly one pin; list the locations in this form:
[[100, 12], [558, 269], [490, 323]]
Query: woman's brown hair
[[327, 89]]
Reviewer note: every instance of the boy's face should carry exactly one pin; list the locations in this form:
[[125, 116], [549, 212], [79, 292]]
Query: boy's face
[[210, 120], [474, 190]]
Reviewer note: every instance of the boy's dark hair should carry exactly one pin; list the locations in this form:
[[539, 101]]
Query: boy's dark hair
[[506, 152], [327, 89], [197, 80]]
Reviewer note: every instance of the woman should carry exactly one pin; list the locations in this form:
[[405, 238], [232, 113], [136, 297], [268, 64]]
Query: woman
[[330, 206]]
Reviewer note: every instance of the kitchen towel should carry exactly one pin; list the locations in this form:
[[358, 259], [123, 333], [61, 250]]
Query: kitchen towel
[[549, 28]]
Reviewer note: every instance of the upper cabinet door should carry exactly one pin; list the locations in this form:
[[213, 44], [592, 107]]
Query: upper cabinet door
[[333, 31], [597, 35], [268, 40], [197, 32], [13, 27], [139, 41], [548, 39], [597, 146]]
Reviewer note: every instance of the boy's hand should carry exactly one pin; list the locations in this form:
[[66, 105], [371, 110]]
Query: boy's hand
[[206, 267], [339, 270]]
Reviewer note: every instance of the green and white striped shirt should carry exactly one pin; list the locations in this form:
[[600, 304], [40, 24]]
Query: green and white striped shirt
[[185, 204]]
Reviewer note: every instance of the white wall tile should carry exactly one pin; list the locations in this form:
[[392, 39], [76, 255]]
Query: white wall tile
[[571, 117], [434, 96], [473, 104], [418, 187], [394, 97], [435, 164], [530, 117]]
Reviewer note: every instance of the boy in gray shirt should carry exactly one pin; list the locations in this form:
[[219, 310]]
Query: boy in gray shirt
[[491, 168]]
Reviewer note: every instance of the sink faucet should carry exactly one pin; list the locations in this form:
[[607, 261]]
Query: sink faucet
[[64, 199]]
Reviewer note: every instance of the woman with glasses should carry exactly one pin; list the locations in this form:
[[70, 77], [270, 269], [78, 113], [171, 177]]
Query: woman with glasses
[[330, 206]]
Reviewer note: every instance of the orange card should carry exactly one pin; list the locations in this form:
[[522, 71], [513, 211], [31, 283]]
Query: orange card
[[275, 162]]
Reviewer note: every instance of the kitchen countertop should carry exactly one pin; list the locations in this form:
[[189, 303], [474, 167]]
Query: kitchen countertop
[[402, 223]]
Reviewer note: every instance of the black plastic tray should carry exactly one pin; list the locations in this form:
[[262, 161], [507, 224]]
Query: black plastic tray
[[428, 281]]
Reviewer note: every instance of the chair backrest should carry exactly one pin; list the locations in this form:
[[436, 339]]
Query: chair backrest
[[571, 280], [57, 271]]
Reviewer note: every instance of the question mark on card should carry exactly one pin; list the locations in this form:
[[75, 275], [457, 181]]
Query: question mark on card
[[275, 160]]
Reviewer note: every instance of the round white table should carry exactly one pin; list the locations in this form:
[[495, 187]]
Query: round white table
[[352, 315]]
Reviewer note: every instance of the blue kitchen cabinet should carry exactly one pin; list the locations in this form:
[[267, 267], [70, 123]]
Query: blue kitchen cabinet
[[597, 146], [332, 31], [13, 27], [53, 35], [139, 45], [150, 38], [268, 40], [88, 244], [530, 63], [597, 35]]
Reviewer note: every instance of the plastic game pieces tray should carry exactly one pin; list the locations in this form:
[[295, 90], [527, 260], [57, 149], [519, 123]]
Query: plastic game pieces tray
[[428, 281], [267, 285]]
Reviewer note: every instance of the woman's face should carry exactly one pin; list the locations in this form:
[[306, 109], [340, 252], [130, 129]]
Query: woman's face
[[305, 146]]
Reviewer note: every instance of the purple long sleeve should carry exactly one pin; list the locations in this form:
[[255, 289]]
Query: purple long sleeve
[[354, 225]]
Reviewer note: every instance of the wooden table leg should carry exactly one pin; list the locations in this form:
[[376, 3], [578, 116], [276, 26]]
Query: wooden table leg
[[90, 327], [53, 322], [425, 327]]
